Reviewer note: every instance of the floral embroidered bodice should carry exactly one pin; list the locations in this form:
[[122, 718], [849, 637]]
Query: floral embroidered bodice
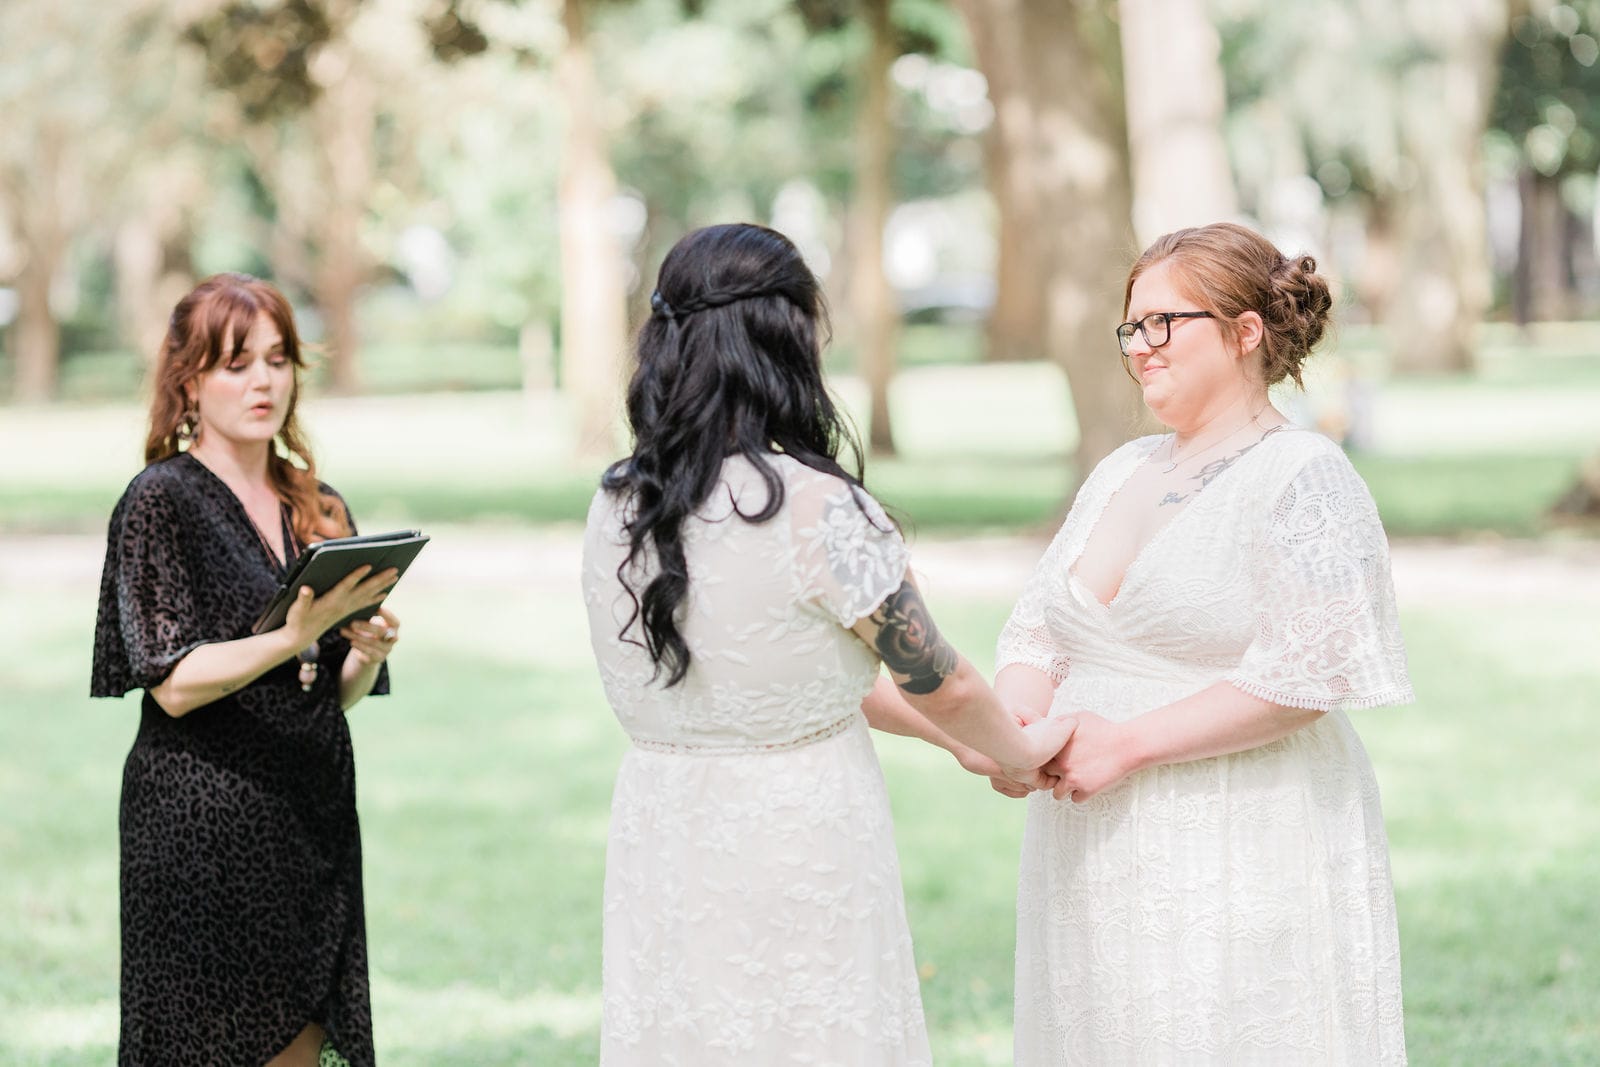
[[766, 614], [1276, 575]]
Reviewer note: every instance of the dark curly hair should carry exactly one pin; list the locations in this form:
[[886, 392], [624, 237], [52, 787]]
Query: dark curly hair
[[1229, 269], [729, 363]]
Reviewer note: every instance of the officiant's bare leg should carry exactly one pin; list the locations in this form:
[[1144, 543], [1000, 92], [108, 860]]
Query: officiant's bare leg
[[303, 1051]]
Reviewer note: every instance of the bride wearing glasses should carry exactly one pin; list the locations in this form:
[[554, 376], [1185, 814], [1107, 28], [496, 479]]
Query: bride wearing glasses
[[1209, 882]]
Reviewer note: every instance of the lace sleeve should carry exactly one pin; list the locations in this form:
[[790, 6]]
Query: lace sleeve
[[1025, 639], [848, 555], [1327, 627]]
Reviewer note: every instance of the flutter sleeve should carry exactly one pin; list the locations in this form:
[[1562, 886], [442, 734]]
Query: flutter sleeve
[[1025, 639], [1327, 626], [147, 619], [848, 556]]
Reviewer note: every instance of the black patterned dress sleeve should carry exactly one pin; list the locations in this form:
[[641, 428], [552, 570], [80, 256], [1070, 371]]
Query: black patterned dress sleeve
[[147, 620]]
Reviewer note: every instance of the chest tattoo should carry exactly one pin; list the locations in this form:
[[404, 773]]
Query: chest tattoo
[[1208, 473]]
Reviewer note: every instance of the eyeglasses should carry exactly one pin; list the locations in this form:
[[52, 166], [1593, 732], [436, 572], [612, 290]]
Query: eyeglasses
[[1156, 327]]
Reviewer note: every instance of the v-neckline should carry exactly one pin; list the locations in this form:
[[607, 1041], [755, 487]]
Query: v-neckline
[[285, 532], [1144, 550]]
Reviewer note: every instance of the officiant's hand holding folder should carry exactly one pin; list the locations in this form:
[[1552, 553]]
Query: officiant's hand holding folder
[[325, 564]]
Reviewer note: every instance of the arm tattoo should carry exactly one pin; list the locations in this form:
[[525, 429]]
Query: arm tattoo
[[910, 643]]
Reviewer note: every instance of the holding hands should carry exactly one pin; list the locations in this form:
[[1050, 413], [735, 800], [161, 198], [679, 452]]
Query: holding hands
[[1093, 758], [1094, 754], [1045, 737], [1096, 758]]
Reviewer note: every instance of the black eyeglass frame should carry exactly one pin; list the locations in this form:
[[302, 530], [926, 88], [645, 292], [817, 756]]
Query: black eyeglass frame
[[1123, 342]]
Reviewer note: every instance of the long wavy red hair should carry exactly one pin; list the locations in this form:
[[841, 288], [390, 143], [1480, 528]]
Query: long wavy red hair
[[224, 307]]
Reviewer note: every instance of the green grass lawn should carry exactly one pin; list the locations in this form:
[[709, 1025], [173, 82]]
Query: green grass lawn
[[1417, 495], [981, 448], [484, 782], [484, 785]]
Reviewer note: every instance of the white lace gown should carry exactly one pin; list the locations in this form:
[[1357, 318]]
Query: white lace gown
[[753, 905], [1236, 910]]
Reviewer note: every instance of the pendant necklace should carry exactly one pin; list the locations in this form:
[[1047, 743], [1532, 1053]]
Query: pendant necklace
[[308, 667], [1172, 449], [307, 656]]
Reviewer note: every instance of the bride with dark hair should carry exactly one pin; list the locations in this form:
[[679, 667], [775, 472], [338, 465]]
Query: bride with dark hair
[[743, 591]]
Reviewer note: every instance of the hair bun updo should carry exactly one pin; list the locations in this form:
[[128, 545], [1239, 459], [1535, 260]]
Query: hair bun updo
[[1295, 317], [1230, 269]]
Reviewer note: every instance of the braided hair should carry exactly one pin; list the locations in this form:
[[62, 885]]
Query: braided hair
[[729, 363]]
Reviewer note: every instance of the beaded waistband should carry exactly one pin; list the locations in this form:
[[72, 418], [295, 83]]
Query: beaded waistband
[[680, 748]]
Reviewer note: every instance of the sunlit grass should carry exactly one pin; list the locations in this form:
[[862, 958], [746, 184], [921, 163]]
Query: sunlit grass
[[484, 785], [981, 448], [485, 781]]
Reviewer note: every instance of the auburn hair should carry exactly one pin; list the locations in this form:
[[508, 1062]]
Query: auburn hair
[[223, 308], [1229, 269]]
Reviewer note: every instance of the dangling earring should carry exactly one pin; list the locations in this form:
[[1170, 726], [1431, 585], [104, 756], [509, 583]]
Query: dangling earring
[[188, 428]]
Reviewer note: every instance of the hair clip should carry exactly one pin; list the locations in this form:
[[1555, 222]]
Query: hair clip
[[659, 305]]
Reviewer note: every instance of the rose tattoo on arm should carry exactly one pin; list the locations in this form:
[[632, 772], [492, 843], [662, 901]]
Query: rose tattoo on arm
[[911, 644]]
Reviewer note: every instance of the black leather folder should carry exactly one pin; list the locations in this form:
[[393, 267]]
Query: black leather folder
[[324, 564]]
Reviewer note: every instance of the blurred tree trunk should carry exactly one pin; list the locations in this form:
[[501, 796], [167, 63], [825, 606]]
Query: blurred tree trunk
[[1542, 278], [593, 295], [1380, 266], [1444, 287], [343, 123], [1055, 78], [293, 219], [41, 230], [1181, 175], [137, 261], [873, 301], [1582, 498], [314, 120], [150, 251], [1017, 320], [35, 334]]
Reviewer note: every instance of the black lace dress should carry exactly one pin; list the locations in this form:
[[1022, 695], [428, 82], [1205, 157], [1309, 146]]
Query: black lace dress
[[242, 914]]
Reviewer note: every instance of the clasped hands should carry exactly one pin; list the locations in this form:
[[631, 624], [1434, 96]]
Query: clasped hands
[[1094, 758]]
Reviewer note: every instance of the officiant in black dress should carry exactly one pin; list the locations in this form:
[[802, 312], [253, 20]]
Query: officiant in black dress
[[243, 933]]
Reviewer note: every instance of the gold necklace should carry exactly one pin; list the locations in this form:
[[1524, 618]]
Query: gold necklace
[[1172, 448]]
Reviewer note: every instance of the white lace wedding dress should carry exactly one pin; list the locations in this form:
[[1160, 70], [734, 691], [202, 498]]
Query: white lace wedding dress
[[1236, 910], [753, 907]]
